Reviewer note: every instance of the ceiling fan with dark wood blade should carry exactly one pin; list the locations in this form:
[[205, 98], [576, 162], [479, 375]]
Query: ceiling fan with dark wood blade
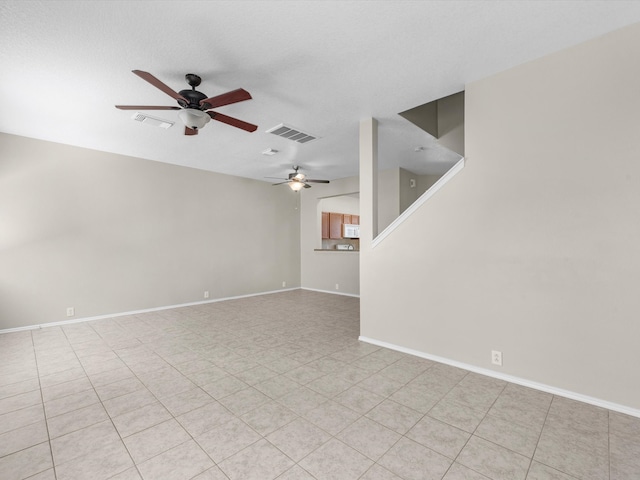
[[297, 181], [195, 107]]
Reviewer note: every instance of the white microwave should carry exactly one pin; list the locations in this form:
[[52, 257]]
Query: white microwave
[[350, 231]]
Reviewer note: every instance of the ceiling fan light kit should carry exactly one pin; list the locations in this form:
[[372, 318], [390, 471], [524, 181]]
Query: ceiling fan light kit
[[193, 118], [298, 180], [195, 106], [296, 186]]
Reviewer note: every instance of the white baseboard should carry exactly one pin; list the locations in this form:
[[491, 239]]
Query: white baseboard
[[331, 291], [509, 378], [137, 312]]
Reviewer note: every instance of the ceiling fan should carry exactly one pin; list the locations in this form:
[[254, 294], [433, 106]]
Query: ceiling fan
[[297, 181], [194, 105]]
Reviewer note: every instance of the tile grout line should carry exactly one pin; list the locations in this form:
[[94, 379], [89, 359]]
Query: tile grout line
[[540, 434], [100, 399], [609, 440], [404, 435], [213, 398], [474, 430], [135, 375], [298, 416], [239, 417], [44, 412]]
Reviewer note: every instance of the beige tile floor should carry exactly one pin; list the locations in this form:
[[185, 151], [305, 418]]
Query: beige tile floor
[[278, 386]]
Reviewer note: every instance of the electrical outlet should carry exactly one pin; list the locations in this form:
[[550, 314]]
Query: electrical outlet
[[284, 284], [71, 311], [206, 294], [337, 286], [496, 357]]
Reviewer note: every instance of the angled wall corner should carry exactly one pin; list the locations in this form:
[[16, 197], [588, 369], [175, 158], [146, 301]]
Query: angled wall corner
[[443, 119]]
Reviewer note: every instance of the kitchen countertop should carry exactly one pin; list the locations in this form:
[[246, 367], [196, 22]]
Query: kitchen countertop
[[332, 250]]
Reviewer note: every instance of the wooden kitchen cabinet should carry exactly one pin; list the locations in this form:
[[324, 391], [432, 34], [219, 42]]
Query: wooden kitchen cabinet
[[335, 225], [325, 225], [332, 223]]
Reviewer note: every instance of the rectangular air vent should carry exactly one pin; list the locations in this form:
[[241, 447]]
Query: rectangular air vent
[[154, 122], [291, 133]]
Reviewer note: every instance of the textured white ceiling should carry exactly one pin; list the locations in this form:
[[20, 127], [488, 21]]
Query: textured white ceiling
[[321, 66]]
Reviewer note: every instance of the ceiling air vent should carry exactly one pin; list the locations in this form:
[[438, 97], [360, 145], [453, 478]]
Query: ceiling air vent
[[154, 122], [291, 133]]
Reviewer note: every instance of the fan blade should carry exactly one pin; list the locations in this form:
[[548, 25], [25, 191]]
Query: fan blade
[[274, 184], [234, 122], [145, 107], [159, 85], [235, 96], [276, 178], [190, 131], [316, 181], [307, 186]]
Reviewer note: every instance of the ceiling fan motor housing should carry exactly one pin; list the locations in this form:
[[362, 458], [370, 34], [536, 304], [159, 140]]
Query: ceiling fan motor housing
[[194, 97]]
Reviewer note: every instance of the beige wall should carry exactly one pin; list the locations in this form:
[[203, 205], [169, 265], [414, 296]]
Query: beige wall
[[533, 248], [349, 204], [396, 194], [323, 270], [106, 233], [388, 197], [407, 193], [451, 122], [425, 182]]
